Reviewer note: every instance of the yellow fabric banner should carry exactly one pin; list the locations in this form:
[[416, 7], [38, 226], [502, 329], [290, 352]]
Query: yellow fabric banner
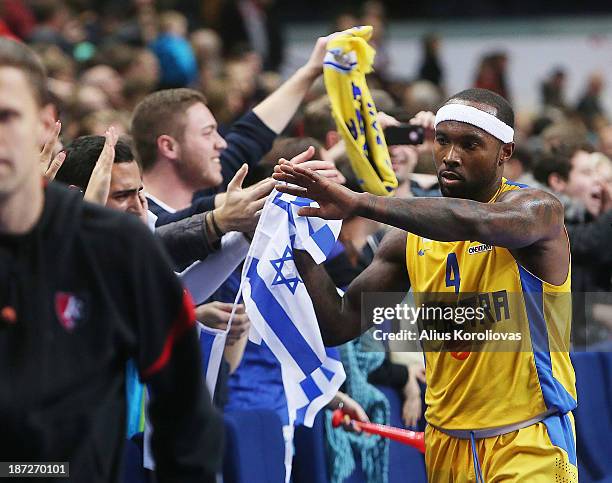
[[349, 58]]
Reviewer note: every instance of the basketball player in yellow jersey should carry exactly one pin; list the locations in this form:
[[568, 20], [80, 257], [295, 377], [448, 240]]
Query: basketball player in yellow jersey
[[492, 416]]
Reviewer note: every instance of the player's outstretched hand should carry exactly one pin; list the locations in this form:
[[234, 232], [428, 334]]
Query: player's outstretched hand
[[335, 201]]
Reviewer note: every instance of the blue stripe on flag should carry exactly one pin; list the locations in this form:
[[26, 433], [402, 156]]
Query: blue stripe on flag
[[285, 206], [325, 239], [300, 415], [333, 352], [329, 374], [299, 201], [280, 322], [310, 388], [206, 343]]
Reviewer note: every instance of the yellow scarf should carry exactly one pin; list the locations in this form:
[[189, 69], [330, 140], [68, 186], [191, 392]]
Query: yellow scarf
[[349, 58]]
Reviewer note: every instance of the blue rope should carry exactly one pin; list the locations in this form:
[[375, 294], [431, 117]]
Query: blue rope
[[477, 470]]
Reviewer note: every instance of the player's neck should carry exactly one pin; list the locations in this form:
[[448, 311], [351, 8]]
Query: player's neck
[[164, 184], [490, 193], [21, 210]]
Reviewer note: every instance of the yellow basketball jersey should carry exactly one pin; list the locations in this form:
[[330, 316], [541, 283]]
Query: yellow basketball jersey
[[492, 388]]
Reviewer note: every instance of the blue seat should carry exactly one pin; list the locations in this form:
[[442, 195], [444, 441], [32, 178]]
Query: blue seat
[[133, 470], [310, 459], [593, 419], [403, 460], [255, 448]]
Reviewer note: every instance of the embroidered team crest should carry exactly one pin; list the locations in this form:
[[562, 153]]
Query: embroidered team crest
[[70, 310]]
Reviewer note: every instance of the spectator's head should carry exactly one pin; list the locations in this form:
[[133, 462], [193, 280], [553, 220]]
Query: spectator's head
[[107, 80], [570, 131], [344, 20], [126, 180], [57, 64], [88, 99], [431, 44], [571, 170], [27, 117], [97, 122], [173, 22], [595, 84], [518, 164], [605, 140], [175, 127], [421, 95], [48, 12], [603, 167], [319, 123]]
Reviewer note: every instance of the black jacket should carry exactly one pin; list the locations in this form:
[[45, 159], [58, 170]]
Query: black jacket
[[590, 244], [90, 289]]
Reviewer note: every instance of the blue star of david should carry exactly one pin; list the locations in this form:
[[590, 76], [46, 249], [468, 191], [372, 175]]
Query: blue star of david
[[279, 278]]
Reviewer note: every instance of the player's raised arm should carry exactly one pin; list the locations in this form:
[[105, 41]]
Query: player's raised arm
[[520, 218], [340, 317]]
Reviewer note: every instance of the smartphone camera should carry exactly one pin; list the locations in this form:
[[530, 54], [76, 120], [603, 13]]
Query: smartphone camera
[[404, 134]]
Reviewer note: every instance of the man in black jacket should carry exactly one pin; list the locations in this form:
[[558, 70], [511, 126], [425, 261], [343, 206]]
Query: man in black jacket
[[82, 290]]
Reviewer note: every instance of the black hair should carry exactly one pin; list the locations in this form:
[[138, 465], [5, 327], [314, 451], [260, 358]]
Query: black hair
[[503, 108], [82, 155]]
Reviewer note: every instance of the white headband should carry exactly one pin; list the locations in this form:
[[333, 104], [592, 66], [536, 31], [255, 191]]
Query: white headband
[[475, 117]]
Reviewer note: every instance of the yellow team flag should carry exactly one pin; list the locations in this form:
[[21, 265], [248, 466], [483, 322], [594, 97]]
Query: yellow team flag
[[349, 58]]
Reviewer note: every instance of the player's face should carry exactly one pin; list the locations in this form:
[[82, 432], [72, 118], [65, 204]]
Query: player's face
[[467, 160], [201, 147], [24, 127], [125, 189]]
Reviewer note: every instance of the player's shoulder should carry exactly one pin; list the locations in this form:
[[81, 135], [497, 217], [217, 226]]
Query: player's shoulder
[[530, 195]]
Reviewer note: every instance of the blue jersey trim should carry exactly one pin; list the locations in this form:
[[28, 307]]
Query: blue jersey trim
[[520, 185], [560, 432], [555, 395]]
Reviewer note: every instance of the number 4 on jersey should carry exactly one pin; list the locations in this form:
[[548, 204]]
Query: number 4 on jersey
[[452, 272]]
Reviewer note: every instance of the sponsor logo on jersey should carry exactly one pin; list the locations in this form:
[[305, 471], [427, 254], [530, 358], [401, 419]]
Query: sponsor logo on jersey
[[483, 247], [70, 310]]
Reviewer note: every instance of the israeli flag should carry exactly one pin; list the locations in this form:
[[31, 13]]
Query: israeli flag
[[280, 308]]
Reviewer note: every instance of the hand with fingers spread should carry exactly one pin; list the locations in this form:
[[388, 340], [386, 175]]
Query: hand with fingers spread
[[335, 201], [216, 315], [326, 169], [100, 180], [50, 168], [241, 207]]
